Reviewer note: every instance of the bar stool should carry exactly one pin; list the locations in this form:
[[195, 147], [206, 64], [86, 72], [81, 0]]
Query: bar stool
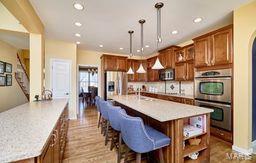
[[114, 113], [105, 118], [141, 138], [97, 98]]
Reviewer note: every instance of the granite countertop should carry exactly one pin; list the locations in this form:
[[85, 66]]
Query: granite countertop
[[173, 95], [160, 110], [25, 129]]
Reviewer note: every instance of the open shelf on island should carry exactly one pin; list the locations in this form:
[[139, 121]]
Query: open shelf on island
[[186, 138], [193, 148]]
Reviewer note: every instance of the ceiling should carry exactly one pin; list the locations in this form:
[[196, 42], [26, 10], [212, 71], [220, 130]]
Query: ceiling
[[106, 22], [16, 39]]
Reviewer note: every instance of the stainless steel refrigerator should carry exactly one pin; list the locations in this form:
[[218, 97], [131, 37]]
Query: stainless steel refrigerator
[[115, 83]]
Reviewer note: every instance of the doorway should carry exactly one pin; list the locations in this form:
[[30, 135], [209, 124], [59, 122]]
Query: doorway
[[88, 86], [254, 90], [60, 78]]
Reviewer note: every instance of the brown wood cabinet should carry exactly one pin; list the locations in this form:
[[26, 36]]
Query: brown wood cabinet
[[222, 134], [187, 101], [135, 66], [214, 48], [152, 75], [113, 63], [54, 148], [184, 59], [167, 56], [180, 71]]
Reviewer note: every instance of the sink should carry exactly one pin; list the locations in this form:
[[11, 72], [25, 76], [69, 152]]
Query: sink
[[147, 99]]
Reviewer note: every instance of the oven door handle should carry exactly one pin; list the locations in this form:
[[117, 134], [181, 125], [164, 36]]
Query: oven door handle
[[209, 79], [213, 104]]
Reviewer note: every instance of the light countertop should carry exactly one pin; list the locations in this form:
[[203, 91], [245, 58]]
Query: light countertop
[[160, 110], [25, 129]]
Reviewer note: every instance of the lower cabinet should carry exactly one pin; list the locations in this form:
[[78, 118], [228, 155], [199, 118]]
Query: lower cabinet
[[54, 148], [222, 134], [169, 98]]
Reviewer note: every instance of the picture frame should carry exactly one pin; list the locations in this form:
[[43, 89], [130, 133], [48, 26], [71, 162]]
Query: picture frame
[[8, 80], [2, 81], [2, 67], [8, 68]]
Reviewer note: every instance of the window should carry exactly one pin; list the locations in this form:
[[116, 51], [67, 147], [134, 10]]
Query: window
[[87, 79]]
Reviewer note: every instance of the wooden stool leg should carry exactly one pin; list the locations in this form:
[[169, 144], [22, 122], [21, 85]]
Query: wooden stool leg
[[126, 154], [99, 120], [138, 158], [106, 133], [112, 140], [161, 156], [119, 147]]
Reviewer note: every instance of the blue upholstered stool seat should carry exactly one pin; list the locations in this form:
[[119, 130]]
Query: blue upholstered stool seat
[[160, 140]]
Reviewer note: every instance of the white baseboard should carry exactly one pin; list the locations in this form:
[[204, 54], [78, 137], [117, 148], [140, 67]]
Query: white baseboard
[[242, 150]]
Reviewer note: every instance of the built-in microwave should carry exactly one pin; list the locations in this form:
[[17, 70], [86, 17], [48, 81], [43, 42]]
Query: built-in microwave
[[166, 74]]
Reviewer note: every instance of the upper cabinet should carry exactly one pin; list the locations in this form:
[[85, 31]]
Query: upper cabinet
[[184, 63], [167, 57], [134, 64], [215, 48], [152, 75], [114, 63]]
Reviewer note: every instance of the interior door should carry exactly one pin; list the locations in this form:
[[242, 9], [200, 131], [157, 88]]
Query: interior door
[[60, 78]]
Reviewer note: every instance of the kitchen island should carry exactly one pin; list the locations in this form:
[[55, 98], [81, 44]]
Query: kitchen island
[[34, 132], [170, 118]]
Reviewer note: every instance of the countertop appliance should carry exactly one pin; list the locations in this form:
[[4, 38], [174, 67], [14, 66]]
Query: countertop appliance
[[166, 74], [213, 90], [115, 83]]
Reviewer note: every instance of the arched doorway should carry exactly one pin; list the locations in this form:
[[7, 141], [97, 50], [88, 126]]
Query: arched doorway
[[254, 90]]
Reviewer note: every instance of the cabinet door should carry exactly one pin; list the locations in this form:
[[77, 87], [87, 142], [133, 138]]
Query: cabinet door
[[56, 148], [110, 63], [143, 77], [190, 71], [47, 155], [190, 53], [130, 76], [202, 52], [156, 75], [121, 64], [136, 65], [162, 58], [180, 71], [180, 56], [222, 48], [150, 75]]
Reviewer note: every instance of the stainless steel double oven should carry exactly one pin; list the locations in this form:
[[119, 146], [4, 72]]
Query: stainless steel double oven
[[213, 90]]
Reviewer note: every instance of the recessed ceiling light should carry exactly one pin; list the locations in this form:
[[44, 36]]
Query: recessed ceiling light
[[138, 51], [101, 46], [78, 42], [147, 46], [197, 20], [174, 32], [77, 35], [78, 6], [121, 48], [78, 24]]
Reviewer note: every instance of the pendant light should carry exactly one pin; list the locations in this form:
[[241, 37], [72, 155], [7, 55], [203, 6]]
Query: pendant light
[[141, 69], [130, 71], [158, 6]]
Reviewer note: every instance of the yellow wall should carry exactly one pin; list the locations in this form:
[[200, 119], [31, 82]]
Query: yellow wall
[[244, 32], [10, 96], [63, 50]]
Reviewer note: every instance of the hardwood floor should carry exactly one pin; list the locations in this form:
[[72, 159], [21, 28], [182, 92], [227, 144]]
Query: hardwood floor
[[86, 144]]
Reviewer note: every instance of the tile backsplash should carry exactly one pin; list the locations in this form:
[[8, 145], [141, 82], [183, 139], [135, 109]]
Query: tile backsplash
[[187, 87]]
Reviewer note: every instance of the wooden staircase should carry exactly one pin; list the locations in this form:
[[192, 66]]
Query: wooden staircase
[[21, 77]]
